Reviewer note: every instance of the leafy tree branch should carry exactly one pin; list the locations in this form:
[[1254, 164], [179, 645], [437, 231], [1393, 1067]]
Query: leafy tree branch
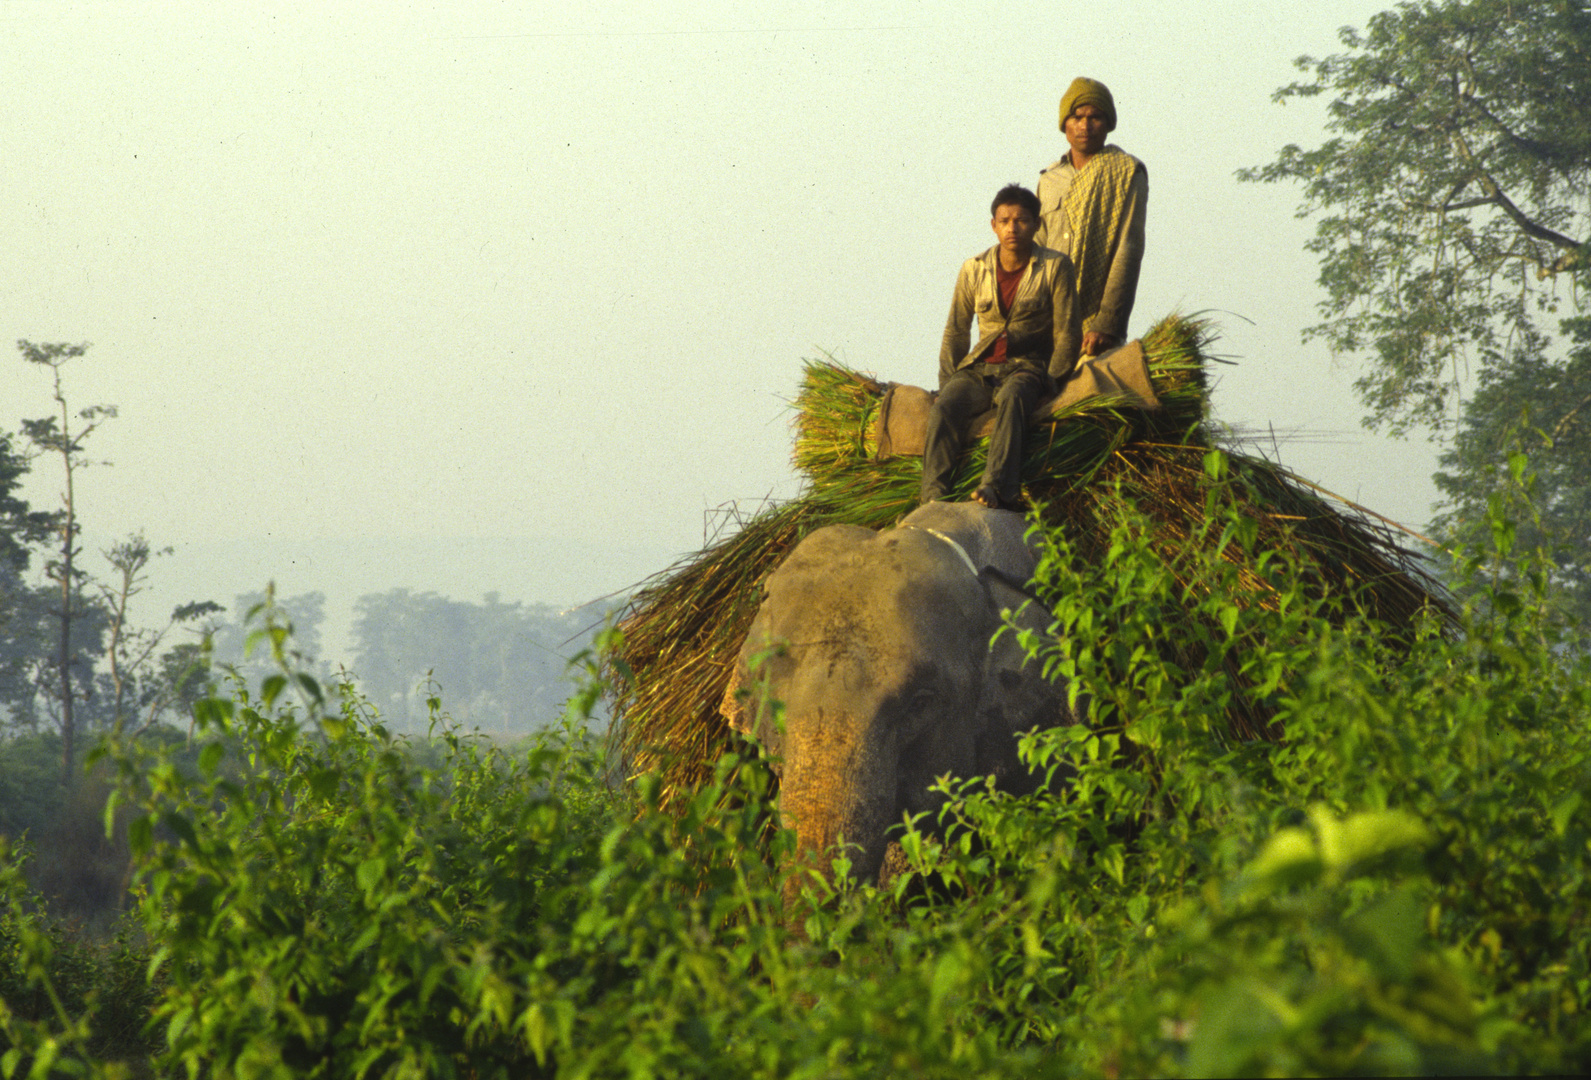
[[1451, 196]]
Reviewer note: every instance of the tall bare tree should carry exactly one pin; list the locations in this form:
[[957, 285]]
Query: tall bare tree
[[56, 435]]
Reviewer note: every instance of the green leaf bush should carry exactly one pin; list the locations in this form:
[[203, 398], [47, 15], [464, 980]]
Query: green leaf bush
[[1397, 881]]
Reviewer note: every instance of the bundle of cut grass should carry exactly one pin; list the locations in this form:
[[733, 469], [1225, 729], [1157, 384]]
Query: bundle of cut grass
[[683, 630]]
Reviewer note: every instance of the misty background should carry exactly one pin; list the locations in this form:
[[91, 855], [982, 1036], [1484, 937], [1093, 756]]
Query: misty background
[[503, 304]]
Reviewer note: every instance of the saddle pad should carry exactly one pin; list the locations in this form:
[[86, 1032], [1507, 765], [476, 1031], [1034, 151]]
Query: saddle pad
[[1123, 373]]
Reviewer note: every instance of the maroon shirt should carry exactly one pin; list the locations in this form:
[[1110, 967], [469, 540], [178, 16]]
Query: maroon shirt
[[1007, 280]]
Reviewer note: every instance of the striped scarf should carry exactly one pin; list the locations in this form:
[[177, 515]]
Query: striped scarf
[[1094, 206]]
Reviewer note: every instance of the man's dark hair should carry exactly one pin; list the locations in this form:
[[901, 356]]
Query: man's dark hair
[[1015, 195]]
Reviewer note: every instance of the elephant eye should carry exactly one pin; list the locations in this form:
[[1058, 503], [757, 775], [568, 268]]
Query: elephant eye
[[925, 695]]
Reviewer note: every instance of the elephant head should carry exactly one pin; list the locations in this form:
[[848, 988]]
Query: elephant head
[[878, 647]]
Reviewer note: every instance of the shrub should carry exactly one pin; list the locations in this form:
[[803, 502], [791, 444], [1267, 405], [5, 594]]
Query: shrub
[[1149, 918], [1394, 879]]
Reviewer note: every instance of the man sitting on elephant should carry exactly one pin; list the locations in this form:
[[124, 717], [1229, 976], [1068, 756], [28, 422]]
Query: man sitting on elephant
[[1029, 334]]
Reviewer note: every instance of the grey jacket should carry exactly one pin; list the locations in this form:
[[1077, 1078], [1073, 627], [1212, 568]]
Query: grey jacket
[[1121, 287], [1043, 328]]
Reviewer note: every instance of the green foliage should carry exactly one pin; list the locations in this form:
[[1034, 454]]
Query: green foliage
[[1426, 918], [344, 913], [21, 627], [1397, 884], [20, 526], [1536, 407], [77, 872], [1451, 192], [67, 1007]]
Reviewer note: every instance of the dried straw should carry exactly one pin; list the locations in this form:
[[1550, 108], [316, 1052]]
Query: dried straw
[[683, 629]]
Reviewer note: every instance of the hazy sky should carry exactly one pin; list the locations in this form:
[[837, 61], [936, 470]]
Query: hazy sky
[[488, 296]]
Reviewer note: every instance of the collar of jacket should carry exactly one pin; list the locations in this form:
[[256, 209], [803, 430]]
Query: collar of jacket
[[991, 260], [1110, 148]]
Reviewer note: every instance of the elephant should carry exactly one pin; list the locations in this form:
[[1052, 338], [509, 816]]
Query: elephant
[[878, 646]]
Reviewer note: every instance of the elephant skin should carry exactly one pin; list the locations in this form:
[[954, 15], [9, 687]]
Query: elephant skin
[[877, 645]]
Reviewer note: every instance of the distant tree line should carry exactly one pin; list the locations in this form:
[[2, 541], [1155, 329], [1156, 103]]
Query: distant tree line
[[73, 663], [501, 667], [498, 666]]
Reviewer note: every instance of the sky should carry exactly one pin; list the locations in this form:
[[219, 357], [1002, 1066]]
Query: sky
[[485, 297]]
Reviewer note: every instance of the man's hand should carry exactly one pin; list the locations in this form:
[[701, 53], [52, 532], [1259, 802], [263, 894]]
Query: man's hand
[[1095, 343]]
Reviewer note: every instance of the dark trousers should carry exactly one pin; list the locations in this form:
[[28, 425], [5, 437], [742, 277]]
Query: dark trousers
[[1014, 390]]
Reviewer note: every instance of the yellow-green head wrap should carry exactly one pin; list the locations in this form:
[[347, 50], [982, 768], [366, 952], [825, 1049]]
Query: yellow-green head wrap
[[1089, 92]]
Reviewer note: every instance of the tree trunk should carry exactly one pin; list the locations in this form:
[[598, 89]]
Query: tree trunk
[[68, 720]]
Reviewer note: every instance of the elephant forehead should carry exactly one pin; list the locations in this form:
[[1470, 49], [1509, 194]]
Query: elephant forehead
[[905, 567], [846, 614], [855, 609]]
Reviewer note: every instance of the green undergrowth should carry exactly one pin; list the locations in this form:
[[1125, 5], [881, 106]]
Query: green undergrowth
[[1395, 881]]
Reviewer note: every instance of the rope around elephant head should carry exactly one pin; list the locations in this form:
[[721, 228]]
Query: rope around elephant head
[[955, 546], [993, 571]]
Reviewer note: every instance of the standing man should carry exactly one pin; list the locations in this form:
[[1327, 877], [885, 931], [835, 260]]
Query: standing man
[[1091, 206], [1028, 336]]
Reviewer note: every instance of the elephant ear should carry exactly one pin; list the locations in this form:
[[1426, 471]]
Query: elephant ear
[[1008, 593], [1015, 696], [732, 707]]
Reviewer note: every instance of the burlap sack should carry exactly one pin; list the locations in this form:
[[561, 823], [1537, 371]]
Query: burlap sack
[[1122, 374]]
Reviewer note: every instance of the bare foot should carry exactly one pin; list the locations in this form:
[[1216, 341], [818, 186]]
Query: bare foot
[[986, 496]]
